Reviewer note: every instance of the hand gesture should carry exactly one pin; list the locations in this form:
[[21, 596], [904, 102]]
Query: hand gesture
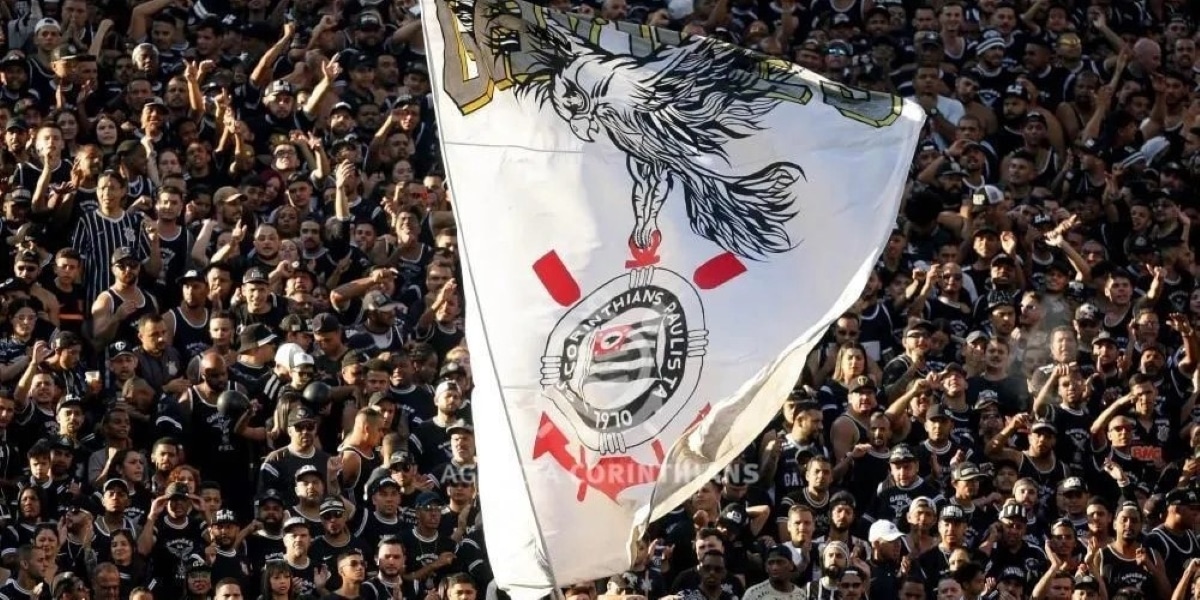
[[330, 70], [1008, 242], [860, 450], [701, 519], [321, 576], [151, 232], [41, 351], [289, 30], [445, 559], [327, 22], [341, 176], [334, 467], [239, 232]]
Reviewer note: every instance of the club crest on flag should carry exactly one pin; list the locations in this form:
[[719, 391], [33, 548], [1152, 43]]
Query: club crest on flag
[[623, 361]]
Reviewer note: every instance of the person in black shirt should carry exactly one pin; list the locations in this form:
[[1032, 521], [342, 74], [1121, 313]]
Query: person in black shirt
[[430, 553]]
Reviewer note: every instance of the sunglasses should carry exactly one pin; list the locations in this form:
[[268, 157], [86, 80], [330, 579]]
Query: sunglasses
[[307, 426]]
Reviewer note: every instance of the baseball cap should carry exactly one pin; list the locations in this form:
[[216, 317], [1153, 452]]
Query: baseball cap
[[118, 348], [292, 522], [255, 275], [268, 495], [901, 453], [119, 255], [735, 514], [919, 325], [300, 359], [1043, 426], [46, 23], [1104, 337], [862, 382], [115, 482], [988, 195], [332, 505], [400, 459], [377, 300], [294, 324], [1184, 497], [936, 411], [427, 499], [952, 513], [300, 414], [885, 531], [978, 336], [224, 516], [326, 323], [254, 336], [307, 470], [1072, 484], [460, 426], [1013, 511], [967, 471], [1087, 312], [1016, 90], [189, 276], [177, 490], [13, 57], [279, 86]]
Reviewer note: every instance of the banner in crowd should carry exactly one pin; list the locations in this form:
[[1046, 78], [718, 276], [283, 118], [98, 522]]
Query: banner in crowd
[[655, 231]]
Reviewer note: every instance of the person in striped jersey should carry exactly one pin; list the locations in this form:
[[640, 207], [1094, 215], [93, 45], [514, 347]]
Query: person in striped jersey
[[98, 235]]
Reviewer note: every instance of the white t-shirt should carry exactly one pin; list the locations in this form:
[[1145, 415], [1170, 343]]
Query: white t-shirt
[[764, 591]]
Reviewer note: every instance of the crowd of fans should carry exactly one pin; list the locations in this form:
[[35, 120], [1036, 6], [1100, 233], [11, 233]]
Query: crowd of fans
[[232, 360]]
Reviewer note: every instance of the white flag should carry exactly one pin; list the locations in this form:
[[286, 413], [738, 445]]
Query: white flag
[[655, 232]]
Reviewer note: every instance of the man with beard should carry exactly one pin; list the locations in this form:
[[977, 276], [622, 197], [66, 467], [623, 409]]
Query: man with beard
[[409, 384], [256, 349], [1070, 414], [430, 441], [804, 434], [281, 466], [335, 538], [1016, 107], [217, 443], [381, 518], [389, 583], [171, 534], [430, 553], [230, 560], [308, 575], [1039, 462], [265, 542], [187, 323], [779, 584], [1127, 563], [714, 581], [380, 330], [843, 513], [1010, 390], [352, 570], [118, 307], [158, 362], [867, 463], [835, 558], [1012, 550], [818, 478]]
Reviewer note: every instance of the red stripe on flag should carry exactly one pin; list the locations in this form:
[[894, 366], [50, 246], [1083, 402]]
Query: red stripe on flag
[[557, 280], [718, 271]]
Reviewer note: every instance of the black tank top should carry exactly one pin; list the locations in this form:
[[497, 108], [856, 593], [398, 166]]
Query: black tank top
[[174, 263], [366, 466], [127, 330], [1122, 572], [72, 307], [190, 340]]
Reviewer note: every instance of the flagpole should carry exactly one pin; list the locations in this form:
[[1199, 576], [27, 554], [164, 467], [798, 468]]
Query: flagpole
[[434, 88]]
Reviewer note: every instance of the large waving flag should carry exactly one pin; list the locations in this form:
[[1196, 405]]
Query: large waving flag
[[655, 232]]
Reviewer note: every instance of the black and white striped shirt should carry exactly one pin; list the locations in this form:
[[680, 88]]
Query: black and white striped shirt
[[97, 237]]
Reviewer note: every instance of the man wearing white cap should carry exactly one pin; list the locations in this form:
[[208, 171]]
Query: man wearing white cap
[[887, 565]]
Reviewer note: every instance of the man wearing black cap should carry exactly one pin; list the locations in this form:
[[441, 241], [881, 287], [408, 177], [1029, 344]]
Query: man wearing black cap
[[382, 513], [256, 349], [1012, 549], [265, 543], [431, 551], [172, 533], [381, 329], [897, 493], [261, 305], [187, 323], [119, 306], [1173, 541], [910, 365], [230, 559], [279, 469], [336, 538]]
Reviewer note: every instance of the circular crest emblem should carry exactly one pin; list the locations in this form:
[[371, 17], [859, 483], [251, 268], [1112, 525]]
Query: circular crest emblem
[[625, 359]]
